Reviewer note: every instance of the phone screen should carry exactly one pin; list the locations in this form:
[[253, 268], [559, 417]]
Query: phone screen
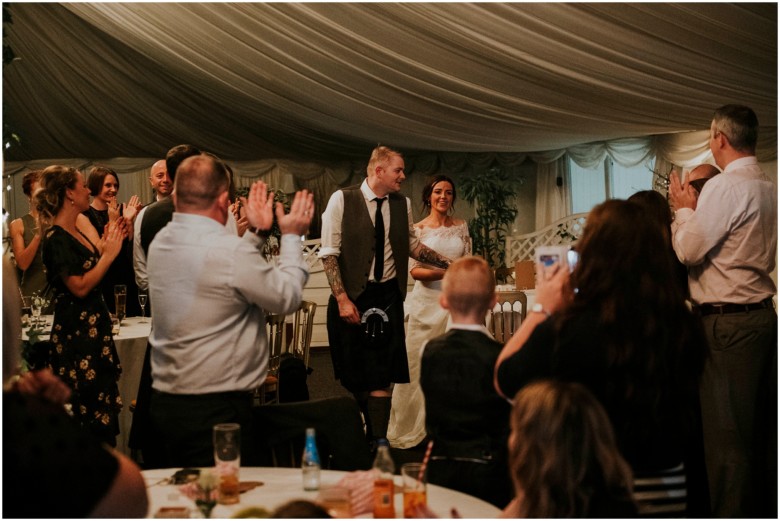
[[548, 260]]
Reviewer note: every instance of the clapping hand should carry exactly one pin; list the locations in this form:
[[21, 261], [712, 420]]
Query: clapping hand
[[132, 208], [259, 206], [681, 195], [113, 236], [301, 212], [113, 210]]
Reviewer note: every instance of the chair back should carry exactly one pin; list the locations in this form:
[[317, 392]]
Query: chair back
[[341, 440], [302, 329], [275, 330], [505, 318]]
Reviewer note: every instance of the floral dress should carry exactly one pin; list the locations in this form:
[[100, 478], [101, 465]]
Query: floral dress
[[83, 353]]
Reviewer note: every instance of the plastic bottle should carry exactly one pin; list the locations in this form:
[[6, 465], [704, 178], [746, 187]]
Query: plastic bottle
[[310, 463], [384, 502]]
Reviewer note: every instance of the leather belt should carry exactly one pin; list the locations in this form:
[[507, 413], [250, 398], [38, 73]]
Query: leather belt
[[723, 309]]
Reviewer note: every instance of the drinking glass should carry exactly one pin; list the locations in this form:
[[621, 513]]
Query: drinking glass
[[143, 295], [227, 459], [120, 301], [414, 488], [336, 502], [26, 307], [35, 307]]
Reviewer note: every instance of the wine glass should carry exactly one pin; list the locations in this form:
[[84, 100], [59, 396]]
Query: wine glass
[[143, 295]]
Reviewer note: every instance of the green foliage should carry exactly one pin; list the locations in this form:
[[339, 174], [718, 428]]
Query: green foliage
[[491, 192]]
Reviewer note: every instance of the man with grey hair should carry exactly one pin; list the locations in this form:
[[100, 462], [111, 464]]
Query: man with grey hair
[[729, 243], [210, 290]]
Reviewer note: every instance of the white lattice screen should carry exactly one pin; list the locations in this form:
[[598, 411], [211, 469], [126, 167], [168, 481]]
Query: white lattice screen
[[563, 231], [518, 247]]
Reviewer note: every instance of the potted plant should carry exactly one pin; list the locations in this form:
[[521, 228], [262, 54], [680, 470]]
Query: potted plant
[[491, 193]]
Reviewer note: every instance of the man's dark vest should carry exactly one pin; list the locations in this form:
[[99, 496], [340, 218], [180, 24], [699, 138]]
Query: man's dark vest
[[156, 216], [358, 245]]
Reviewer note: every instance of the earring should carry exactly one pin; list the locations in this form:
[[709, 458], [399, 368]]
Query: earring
[[72, 202]]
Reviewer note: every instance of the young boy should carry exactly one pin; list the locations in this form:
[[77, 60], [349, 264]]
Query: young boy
[[465, 417]]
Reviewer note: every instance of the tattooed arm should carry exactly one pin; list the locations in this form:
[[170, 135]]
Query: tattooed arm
[[347, 310], [428, 256]]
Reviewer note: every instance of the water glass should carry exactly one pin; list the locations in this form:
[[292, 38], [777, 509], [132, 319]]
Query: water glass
[[413, 487], [120, 301], [227, 459]]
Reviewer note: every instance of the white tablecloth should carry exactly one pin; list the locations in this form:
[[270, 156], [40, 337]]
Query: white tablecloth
[[281, 485], [131, 346]]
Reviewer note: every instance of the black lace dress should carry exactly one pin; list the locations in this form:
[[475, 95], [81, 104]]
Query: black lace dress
[[83, 353]]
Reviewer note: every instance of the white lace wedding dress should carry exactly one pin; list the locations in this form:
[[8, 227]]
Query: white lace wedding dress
[[426, 320]]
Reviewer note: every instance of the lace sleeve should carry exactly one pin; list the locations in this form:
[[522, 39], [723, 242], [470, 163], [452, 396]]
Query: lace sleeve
[[414, 263]]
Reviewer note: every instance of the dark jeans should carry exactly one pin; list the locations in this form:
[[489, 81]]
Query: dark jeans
[[739, 413], [185, 423]]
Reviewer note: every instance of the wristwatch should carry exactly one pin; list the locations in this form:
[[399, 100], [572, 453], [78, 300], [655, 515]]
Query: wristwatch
[[538, 308]]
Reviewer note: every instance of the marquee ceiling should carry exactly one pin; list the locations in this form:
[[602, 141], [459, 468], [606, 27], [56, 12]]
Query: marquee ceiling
[[330, 81]]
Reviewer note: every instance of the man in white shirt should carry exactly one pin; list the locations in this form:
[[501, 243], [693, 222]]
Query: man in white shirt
[[210, 290], [729, 244], [366, 245]]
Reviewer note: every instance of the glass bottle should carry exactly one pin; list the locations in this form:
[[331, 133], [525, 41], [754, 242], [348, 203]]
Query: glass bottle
[[310, 463], [384, 468]]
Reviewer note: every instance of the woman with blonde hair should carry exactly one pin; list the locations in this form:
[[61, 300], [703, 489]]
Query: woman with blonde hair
[[563, 458], [83, 353]]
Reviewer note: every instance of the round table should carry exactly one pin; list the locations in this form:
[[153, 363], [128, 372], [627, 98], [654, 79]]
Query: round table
[[281, 485], [131, 347]]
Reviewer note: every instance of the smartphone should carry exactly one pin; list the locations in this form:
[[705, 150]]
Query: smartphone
[[548, 256]]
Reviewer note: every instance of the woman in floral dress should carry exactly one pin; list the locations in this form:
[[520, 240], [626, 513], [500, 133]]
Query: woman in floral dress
[[450, 237], [83, 354]]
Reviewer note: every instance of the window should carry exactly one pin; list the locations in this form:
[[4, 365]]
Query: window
[[591, 186]]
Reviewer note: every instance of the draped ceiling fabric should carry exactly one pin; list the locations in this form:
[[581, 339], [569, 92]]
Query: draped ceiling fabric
[[327, 82]]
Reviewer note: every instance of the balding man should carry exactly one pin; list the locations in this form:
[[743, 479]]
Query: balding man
[[699, 176], [729, 244], [161, 182], [210, 290]]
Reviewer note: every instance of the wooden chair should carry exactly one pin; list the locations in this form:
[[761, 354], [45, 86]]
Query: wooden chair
[[341, 442], [275, 330], [506, 318], [302, 329]]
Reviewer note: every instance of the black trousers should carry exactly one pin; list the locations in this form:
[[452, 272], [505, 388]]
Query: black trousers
[[185, 423]]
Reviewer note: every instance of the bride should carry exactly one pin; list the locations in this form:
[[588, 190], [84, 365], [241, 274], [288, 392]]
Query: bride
[[450, 237]]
